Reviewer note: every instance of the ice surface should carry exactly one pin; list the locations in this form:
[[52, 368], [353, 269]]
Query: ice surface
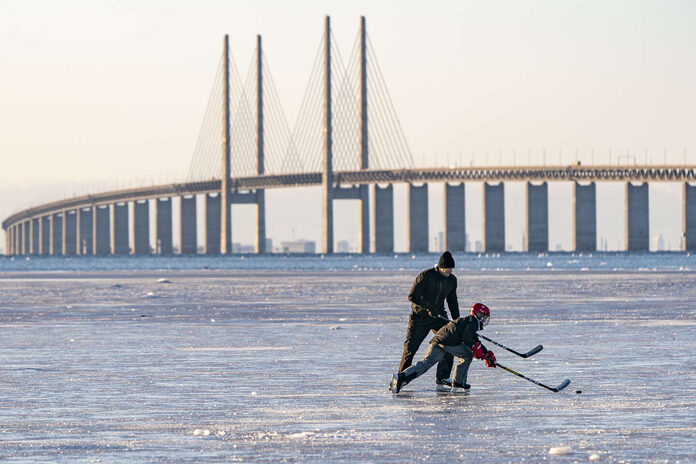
[[92, 370]]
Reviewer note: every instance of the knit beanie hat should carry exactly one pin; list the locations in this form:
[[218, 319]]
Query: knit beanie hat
[[446, 260]]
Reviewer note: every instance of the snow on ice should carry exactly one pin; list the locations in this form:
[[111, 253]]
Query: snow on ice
[[85, 379]]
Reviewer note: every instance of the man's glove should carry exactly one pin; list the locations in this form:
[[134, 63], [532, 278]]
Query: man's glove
[[478, 351], [434, 313], [489, 359]]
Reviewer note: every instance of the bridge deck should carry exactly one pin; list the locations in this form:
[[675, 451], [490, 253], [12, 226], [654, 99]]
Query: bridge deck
[[673, 173]]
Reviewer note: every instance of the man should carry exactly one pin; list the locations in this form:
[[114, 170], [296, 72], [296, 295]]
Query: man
[[428, 294], [458, 338]]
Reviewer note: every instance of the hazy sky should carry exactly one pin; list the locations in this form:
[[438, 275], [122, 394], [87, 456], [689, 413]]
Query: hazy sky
[[100, 93]]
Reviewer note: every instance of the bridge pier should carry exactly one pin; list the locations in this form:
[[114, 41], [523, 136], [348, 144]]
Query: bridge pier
[[537, 217], [63, 231], [418, 218], [163, 226], [50, 219], [188, 240], [688, 217], [120, 241], [18, 239], [637, 217], [383, 218], [364, 223], [455, 218], [45, 240], [584, 217], [57, 233], [141, 227], [102, 229], [212, 224], [27, 239], [70, 235], [29, 231], [11, 235], [59, 240], [84, 232], [260, 242], [35, 233], [493, 217]]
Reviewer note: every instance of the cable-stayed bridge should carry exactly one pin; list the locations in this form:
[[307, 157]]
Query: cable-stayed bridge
[[347, 138]]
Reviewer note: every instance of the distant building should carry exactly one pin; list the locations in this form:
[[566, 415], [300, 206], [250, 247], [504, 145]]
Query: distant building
[[298, 246], [479, 246], [343, 246], [658, 243], [238, 248], [269, 246]]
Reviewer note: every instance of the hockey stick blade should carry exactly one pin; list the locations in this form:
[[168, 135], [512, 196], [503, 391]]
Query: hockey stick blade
[[563, 384], [529, 353], [533, 351]]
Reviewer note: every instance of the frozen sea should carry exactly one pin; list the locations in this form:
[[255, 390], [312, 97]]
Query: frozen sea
[[287, 359]]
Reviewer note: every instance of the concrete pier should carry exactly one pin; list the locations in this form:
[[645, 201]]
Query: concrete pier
[[163, 226], [35, 234], [18, 237], [27, 236], [120, 240], [637, 217], [212, 224], [61, 245], [102, 230], [584, 217], [455, 218], [364, 222], [689, 217], [50, 219], [537, 218], [56, 234], [188, 239], [493, 217], [70, 237], [45, 245], [9, 241], [417, 218], [86, 239], [383, 218], [260, 242], [141, 227]]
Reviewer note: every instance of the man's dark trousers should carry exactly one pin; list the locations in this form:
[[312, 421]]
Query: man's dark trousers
[[418, 327]]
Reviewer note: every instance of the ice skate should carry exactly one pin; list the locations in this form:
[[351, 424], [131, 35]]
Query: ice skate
[[443, 385]]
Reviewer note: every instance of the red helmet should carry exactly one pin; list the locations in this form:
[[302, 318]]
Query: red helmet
[[481, 312]]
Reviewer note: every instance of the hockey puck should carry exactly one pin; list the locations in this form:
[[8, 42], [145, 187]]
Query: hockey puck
[[578, 391]]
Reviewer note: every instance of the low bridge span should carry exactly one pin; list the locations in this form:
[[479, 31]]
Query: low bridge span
[[349, 178], [99, 223]]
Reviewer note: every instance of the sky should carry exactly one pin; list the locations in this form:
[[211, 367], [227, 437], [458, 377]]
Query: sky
[[101, 95]]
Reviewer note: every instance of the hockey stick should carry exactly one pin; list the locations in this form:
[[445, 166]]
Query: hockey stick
[[563, 384], [529, 353]]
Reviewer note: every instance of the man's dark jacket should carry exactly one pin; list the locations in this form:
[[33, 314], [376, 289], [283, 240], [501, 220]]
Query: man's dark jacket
[[461, 331], [429, 292]]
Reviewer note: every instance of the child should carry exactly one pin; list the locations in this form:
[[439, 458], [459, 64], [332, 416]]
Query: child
[[460, 339]]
